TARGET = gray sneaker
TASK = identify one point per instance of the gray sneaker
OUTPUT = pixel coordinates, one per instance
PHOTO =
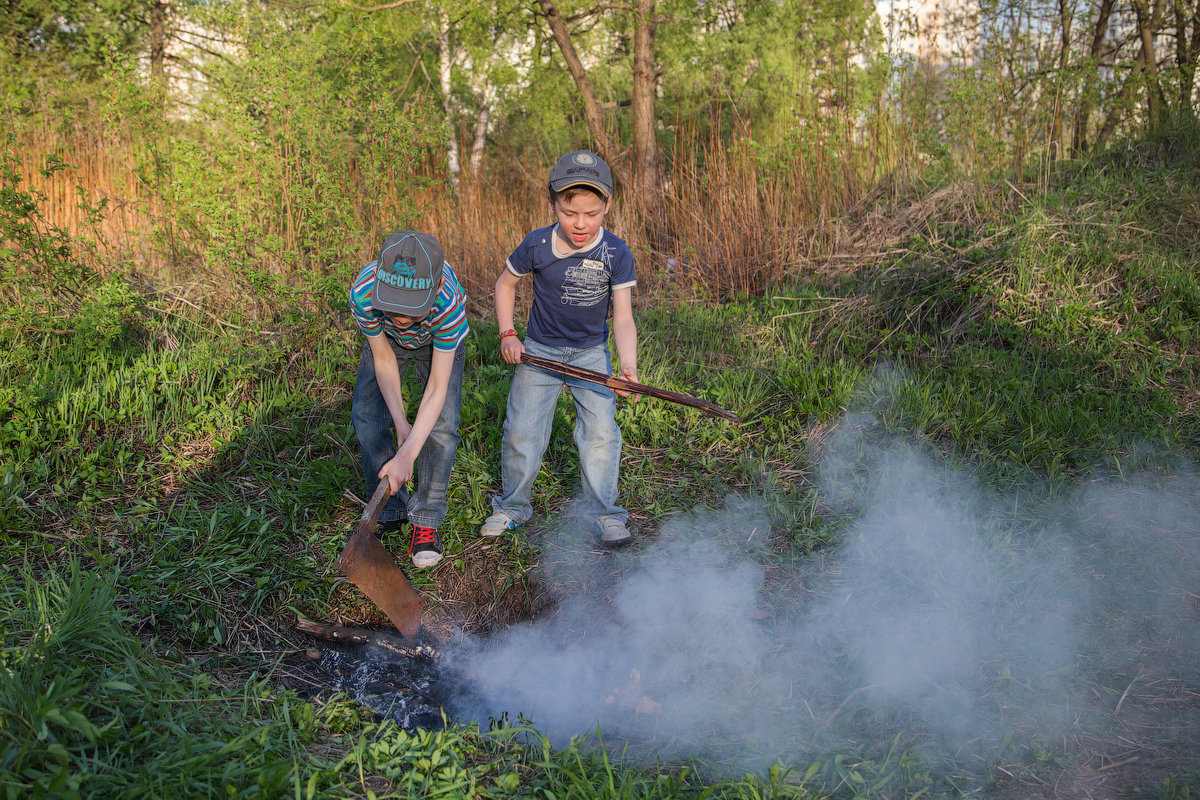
(496, 524)
(611, 532)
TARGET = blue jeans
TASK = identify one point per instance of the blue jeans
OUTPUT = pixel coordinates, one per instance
(527, 424)
(377, 436)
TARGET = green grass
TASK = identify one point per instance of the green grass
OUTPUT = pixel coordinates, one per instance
(89, 710)
(171, 491)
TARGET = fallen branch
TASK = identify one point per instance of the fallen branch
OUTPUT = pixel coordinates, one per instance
(363, 637)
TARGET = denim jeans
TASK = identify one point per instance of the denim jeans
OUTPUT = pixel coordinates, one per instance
(377, 435)
(527, 427)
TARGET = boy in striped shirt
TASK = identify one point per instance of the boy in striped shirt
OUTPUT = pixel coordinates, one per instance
(411, 309)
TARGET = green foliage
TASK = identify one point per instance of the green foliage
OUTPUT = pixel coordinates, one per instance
(114, 310)
(83, 37)
(294, 161)
(106, 423)
(957, 133)
(1185, 789)
(424, 763)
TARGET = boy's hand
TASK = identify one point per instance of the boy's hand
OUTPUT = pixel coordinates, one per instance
(398, 471)
(629, 374)
(511, 349)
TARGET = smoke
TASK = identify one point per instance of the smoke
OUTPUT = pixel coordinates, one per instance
(658, 657)
(953, 620)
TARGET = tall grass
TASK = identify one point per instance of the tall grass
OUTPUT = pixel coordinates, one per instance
(744, 209)
(86, 712)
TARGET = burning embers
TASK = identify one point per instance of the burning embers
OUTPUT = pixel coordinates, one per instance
(397, 678)
(413, 682)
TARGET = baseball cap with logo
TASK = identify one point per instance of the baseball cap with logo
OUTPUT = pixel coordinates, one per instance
(409, 274)
(581, 168)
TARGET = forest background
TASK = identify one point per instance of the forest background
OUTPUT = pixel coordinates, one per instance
(976, 223)
(261, 150)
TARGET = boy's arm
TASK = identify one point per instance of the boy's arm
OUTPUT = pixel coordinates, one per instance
(399, 470)
(511, 347)
(625, 336)
(387, 374)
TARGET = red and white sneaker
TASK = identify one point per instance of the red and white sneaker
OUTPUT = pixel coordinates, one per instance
(426, 547)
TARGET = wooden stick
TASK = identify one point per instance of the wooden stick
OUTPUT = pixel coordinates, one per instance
(627, 386)
(362, 636)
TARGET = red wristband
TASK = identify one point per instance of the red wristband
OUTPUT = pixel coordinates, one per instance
(507, 333)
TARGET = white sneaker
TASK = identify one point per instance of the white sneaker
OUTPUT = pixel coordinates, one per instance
(498, 523)
(611, 532)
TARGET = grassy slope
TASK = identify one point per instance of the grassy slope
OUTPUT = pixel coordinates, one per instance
(1034, 335)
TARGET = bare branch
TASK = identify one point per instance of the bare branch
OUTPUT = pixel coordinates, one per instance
(597, 11)
(205, 51)
(383, 7)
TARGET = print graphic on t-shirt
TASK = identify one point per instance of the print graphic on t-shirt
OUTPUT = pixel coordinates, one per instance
(585, 283)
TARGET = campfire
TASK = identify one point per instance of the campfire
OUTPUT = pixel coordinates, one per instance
(396, 677)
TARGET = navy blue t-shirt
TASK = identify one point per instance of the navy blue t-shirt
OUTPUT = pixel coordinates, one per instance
(572, 294)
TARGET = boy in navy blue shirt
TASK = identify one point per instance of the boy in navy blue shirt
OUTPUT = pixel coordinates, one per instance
(580, 272)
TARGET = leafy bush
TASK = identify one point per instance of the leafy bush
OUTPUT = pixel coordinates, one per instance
(38, 265)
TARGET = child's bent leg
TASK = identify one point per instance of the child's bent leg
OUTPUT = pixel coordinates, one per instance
(375, 433)
(427, 506)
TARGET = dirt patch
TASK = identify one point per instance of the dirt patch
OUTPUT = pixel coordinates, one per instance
(476, 590)
(480, 589)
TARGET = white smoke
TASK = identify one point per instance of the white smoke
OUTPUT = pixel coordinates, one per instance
(950, 618)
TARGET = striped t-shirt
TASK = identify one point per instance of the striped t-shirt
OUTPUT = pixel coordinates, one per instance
(445, 325)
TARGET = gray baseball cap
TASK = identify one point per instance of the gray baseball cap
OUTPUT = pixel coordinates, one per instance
(409, 274)
(581, 168)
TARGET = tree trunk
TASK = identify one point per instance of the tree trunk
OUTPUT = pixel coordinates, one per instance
(481, 128)
(1116, 112)
(1187, 53)
(591, 109)
(1147, 23)
(158, 41)
(1084, 113)
(645, 140)
(643, 179)
(1064, 60)
(445, 66)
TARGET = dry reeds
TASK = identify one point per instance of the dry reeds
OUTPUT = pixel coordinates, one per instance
(90, 186)
(738, 223)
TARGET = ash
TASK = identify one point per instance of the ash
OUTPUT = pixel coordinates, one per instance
(400, 684)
